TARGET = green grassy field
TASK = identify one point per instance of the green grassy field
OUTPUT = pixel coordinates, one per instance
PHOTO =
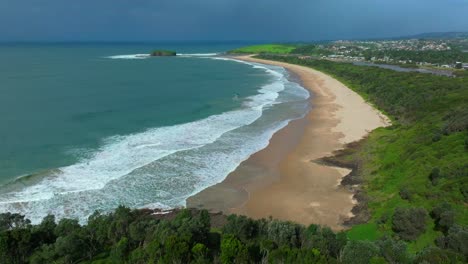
(265, 48)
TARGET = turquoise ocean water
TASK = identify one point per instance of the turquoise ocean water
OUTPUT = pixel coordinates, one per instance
(87, 127)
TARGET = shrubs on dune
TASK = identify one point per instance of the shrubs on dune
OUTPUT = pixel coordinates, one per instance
(242, 227)
(393, 251)
(233, 250)
(135, 236)
(456, 121)
(466, 142)
(357, 252)
(409, 223)
(435, 175)
(464, 191)
(437, 255)
(444, 217)
(405, 193)
(457, 238)
(284, 233)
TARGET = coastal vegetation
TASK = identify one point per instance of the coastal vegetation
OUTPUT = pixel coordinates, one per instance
(312, 50)
(414, 174)
(159, 53)
(428, 56)
(193, 236)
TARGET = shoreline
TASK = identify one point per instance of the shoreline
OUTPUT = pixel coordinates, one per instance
(282, 180)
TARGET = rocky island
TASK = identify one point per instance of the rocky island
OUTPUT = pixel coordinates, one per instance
(163, 53)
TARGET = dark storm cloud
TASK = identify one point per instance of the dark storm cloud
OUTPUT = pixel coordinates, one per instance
(137, 20)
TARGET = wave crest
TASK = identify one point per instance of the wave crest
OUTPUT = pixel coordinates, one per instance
(158, 167)
(129, 57)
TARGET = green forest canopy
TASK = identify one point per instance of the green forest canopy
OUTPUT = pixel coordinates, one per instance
(138, 236)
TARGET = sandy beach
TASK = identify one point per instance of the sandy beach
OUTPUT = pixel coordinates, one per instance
(282, 180)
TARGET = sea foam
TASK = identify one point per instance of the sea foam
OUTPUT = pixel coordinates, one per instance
(161, 166)
(198, 54)
(129, 57)
(146, 56)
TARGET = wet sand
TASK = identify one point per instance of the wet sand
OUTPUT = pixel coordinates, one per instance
(282, 180)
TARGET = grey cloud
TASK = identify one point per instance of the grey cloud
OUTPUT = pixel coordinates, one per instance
(269, 20)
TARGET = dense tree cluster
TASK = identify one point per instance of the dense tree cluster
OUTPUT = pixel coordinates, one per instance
(429, 56)
(456, 121)
(138, 236)
(409, 223)
(314, 50)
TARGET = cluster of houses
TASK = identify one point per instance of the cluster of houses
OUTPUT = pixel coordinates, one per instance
(408, 44)
(353, 51)
(461, 65)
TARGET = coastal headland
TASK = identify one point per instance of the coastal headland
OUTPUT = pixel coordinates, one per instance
(282, 180)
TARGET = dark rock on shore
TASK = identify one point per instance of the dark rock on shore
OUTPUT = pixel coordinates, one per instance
(163, 53)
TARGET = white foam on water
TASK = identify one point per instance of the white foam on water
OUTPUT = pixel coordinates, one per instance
(120, 155)
(197, 54)
(159, 167)
(129, 57)
(146, 56)
(156, 206)
(242, 144)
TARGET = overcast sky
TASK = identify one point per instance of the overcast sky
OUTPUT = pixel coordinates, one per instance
(224, 20)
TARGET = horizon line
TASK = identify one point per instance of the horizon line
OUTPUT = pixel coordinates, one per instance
(222, 41)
